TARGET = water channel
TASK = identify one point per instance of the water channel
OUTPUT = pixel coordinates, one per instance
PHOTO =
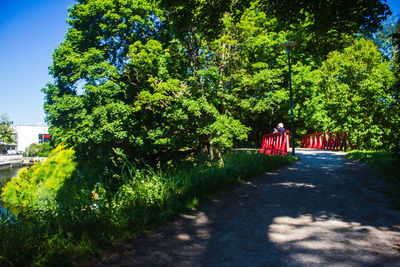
(5, 176)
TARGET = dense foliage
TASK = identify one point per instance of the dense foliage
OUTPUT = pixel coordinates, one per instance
(155, 77)
(350, 91)
(60, 221)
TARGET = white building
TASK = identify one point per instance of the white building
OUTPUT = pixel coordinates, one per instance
(27, 135)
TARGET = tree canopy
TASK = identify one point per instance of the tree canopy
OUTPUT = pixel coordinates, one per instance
(156, 79)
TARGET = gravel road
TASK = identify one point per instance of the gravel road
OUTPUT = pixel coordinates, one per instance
(323, 210)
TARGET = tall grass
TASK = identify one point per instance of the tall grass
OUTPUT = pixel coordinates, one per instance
(387, 164)
(147, 197)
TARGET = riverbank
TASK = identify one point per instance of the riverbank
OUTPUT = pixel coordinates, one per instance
(7, 161)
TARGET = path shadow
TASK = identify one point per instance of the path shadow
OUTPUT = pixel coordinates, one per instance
(322, 210)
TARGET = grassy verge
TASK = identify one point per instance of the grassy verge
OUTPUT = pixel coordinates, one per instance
(387, 164)
(65, 235)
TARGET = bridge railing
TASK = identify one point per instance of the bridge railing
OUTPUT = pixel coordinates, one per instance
(330, 141)
(275, 143)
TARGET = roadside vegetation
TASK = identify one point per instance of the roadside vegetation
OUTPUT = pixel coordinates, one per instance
(388, 166)
(58, 221)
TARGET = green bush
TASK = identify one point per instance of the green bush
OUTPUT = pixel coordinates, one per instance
(387, 164)
(36, 188)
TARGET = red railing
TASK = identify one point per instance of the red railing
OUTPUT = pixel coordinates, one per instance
(275, 143)
(331, 141)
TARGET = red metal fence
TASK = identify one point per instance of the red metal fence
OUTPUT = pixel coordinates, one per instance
(275, 143)
(331, 141)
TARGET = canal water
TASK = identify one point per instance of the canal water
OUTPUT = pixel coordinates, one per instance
(7, 174)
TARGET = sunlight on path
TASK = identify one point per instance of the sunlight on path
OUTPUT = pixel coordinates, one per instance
(323, 210)
(319, 240)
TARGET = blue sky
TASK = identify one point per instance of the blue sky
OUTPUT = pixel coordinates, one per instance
(29, 32)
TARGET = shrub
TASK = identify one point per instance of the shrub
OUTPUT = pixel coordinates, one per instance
(36, 188)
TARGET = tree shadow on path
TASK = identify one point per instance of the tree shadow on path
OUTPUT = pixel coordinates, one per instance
(322, 210)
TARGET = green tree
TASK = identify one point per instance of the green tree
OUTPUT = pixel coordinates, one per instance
(197, 16)
(7, 133)
(318, 26)
(252, 65)
(154, 77)
(328, 24)
(395, 91)
(37, 150)
(142, 90)
(350, 92)
(93, 59)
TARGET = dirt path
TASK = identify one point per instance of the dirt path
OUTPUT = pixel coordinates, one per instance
(323, 210)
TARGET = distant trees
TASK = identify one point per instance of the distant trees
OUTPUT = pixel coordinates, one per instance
(7, 135)
(37, 150)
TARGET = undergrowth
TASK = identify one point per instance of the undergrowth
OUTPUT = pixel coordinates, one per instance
(388, 166)
(73, 224)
